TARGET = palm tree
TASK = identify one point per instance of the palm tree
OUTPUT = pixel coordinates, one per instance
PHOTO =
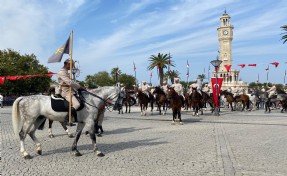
(171, 75)
(284, 37)
(160, 61)
(201, 78)
(115, 74)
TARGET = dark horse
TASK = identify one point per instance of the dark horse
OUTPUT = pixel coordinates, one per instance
(143, 100)
(187, 101)
(128, 101)
(175, 105)
(160, 99)
(63, 124)
(196, 102)
(244, 99)
(274, 100)
(208, 99)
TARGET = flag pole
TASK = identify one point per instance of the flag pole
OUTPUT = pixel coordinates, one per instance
(71, 68)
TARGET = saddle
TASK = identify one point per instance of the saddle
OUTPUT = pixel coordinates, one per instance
(60, 104)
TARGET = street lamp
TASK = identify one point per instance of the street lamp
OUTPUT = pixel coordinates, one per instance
(216, 63)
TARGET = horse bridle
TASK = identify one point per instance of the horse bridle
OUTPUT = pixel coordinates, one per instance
(107, 102)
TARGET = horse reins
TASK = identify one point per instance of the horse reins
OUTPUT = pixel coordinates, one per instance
(106, 103)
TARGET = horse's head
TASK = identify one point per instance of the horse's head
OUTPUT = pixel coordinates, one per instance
(119, 100)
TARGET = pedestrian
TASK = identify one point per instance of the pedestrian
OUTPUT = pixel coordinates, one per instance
(1, 100)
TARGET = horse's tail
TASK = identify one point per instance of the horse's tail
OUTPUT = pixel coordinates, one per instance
(16, 115)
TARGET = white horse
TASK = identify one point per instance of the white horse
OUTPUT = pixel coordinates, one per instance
(252, 99)
(32, 111)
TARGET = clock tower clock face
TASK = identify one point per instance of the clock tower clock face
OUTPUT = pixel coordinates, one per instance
(225, 32)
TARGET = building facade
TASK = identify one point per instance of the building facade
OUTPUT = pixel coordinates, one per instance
(225, 36)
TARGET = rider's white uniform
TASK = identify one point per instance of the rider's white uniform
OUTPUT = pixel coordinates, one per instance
(271, 91)
(205, 89)
(165, 88)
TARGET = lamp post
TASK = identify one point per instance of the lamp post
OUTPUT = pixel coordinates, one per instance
(216, 63)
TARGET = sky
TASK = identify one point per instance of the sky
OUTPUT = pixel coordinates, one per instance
(118, 33)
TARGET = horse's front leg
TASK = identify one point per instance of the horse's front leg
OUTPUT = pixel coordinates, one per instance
(231, 106)
(94, 141)
(79, 130)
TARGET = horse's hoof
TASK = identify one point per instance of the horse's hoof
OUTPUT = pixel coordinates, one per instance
(77, 154)
(70, 135)
(28, 157)
(173, 122)
(100, 154)
(181, 123)
(99, 135)
(39, 152)
(51, 136)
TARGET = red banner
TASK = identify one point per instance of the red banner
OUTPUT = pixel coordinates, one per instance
(227, 67)
(216, 93)
(2, 80)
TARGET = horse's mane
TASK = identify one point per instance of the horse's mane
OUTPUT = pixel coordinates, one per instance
(227, 93)
(158, 90)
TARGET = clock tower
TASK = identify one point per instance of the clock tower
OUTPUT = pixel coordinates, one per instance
(225, 37)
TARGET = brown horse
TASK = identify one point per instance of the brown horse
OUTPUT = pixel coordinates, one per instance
(187, 101)
(175, 104)
(244, 99)
(196, 102)
(128, 101)
(143, 100)
(160, 99)
(207, 99)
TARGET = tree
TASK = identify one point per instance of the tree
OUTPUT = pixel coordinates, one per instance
(171, 75)
(99, 79)
(115, 74)
(127, 80)
(14, 64)
(201, 78)
(284, 37)
(160, 61)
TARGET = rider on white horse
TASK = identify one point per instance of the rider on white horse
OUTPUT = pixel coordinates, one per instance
(65, 84)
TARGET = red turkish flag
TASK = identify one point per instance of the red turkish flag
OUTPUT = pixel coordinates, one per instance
(241, 65)
(227, 67)
(216, 93)
(252, 65)
(275, 64)
(2, 80)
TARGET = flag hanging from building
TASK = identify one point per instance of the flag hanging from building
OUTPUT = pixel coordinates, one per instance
(58, 54)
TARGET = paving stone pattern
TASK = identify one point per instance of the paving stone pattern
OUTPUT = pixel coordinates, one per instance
(235, 143)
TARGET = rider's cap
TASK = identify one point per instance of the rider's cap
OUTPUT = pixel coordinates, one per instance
(176, 79)
(144, 81)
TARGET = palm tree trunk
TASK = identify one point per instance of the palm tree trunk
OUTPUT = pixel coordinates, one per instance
(161, 76)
